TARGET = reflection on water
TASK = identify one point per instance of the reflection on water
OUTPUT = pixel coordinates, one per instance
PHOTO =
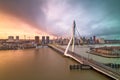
(41, 64)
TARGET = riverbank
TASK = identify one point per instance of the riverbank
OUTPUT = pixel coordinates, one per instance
(15, 48)
(107, 51)
(104, 55)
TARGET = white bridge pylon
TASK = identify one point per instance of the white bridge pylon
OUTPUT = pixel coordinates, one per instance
(72, 40)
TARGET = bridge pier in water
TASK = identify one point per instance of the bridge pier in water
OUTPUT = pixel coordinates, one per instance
(80, 67)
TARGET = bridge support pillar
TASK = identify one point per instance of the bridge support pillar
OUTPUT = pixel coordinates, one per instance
(71, 40)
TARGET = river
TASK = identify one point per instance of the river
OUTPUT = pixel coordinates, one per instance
(82, 50)
(41, 64)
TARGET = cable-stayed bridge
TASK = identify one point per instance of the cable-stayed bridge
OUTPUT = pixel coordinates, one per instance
(83, 60)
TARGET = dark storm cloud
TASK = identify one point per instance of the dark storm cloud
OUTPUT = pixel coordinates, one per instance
(106, 24)
(93, 17)
(24, 9)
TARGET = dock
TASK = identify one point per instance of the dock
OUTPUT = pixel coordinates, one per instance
(79, 66)
(95, 65)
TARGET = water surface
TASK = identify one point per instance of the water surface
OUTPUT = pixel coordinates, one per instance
(41, 64)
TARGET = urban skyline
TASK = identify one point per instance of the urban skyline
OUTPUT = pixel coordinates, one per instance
(59, 40)
(39, 17)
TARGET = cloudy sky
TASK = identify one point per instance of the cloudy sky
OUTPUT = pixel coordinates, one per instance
(93, 17)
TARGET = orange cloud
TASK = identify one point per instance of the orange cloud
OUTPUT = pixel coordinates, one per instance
(12, 26)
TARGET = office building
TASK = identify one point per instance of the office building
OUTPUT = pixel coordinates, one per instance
(94, 38)
(43, 40)
(37, 39)
(10, 38)
(17, 37)
(47, 39)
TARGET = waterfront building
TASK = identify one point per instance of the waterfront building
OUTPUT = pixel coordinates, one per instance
(10, 37)
(84, 39)
(37, 39)
(43, 40)
(17, 37)
(81, 41)
(65, 41)
(101, 40)
(97, 41)
(59, 40)
(47, 39)
(77, 41)
(91, 40)
(94, 39)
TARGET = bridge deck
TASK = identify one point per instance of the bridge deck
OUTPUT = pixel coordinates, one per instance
(95, 65)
